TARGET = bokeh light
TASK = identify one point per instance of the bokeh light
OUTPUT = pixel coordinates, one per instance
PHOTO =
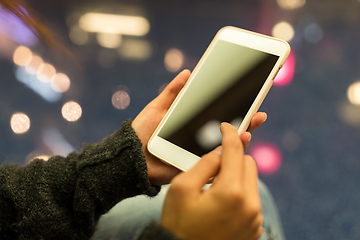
(115, 24)
(22, 56)
(291, 4)
(36, 154)
(236, 122)
(120, 99)
(45, 72)
(349, 113)
(267, 156)
(60, 82)
(284, 31)
(43, 89)
(353, 93)
(42, 157)
(135, 49)
(78, 36)
(286, 73)
(313, 33)
(71, 111)
(109, 40)
(174, 60)
(209, 135)
(20, 123)
(54, 140)
(34, 64)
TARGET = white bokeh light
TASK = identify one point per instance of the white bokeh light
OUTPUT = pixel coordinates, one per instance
(60, 83)
(174, 60)
(115, 24)
(353, 93)
(349, 113)
(71, 111)
(209, 135)
(135, 49)
(291, 4)
(22, 56)
(45, 72)
(34, 64)
(120, 99)
(109, 40)
(36, 154)
(20, 123)
(284, 31)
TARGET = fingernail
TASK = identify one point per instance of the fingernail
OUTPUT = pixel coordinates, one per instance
(249, 138)
(265, 116)
(185, 70)
(222, 126)
(226, 123)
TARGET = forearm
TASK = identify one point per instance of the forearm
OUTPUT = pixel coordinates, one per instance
(65, 196)
(114, 169)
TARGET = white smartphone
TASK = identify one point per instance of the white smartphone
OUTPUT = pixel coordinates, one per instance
(228, 84)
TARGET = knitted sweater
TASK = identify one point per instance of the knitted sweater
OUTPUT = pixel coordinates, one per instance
(63, 198)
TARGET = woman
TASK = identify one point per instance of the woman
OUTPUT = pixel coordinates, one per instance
(65, 197)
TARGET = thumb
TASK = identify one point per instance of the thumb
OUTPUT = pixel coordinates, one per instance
(168, 95)
(199, 175)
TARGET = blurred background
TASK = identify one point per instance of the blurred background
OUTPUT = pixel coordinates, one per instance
(308, 151)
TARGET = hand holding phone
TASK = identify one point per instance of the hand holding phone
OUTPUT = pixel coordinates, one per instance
(149, 118)
(146, 122)
(228, 85)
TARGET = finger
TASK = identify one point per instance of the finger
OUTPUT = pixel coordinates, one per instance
(250, 180)
(245, 139)
(232, 154)
(256, 121)
(168, 95)
(199, 175)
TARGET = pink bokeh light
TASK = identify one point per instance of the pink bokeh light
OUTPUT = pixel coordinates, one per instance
(286, 73)
(267, 156)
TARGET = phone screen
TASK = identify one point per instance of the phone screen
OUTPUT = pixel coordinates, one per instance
(221, 90)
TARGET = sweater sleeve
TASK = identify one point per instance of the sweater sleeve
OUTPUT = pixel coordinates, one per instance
(64, 197)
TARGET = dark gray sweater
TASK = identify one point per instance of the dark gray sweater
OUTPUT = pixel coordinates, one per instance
(63, 198)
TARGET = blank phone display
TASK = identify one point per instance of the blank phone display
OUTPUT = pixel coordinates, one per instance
(222, 90)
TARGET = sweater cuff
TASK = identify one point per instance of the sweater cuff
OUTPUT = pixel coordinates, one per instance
(115, 168)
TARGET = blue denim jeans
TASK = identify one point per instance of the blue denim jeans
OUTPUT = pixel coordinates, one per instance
(128, 218)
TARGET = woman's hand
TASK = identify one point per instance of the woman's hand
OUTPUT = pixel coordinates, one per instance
(149, 118)
(229, 209)
(146, 122)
